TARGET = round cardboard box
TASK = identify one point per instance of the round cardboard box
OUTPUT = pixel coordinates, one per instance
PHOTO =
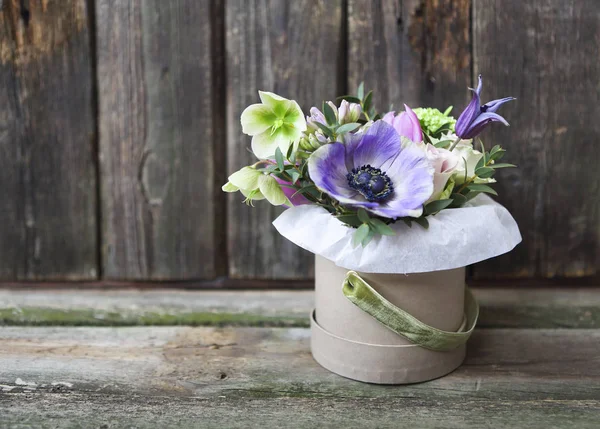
(351, 343)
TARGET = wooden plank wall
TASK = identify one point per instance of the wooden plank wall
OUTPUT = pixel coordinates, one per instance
(120, 120)
(47, 142)
(156, 139)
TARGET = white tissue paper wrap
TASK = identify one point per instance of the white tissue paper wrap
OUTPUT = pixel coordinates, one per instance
(479, 230)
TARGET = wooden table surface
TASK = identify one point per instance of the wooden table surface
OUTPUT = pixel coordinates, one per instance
(113, 359)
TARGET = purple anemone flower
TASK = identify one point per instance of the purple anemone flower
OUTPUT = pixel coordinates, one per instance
(373, 171)
(475, 117)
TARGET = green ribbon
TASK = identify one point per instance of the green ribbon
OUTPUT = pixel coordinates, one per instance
(361, 294)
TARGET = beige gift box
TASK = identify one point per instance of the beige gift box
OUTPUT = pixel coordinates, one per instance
(351, 343)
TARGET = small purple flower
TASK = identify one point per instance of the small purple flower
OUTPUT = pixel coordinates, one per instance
(475, 118)
(315, 116)
(406, 124)
(373, 171)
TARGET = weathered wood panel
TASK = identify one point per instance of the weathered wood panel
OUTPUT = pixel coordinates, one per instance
(261, 377)
(415, 51)
(294, 49)
(157, 141)
(47, 139)
(545, 53)
(500, 308)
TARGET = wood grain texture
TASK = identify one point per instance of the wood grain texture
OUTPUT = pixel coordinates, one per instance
(293, 49)
(415, 51)
(263, 377)
(545, 53)
(157, 142)
(499, 308)
(47, 139)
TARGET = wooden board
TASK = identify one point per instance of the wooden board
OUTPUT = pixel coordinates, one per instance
(499, 308)
(293, 49)
(545, 53)
(413, 52)
(47, 142)
(265, 377)
(157, 105)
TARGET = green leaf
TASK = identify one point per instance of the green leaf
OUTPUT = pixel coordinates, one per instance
(496, 153)
(279, 159)
(304, 169)
(501, 165)
(368, 101)
(443, 143)
(482, 188)
(360, 92)
(472, 195)
(304, 190)
(381, 227)
(326, 130)
(347, 128)
(480, 163)
(497, 156)
(484, 172)
(368, 238)
(407, 221)
(458, 200)
(294, 175)
(360, 234)
(423, 222)
(329, 114)
(350, 99)
(363, 215)
(271, 168)
(448, 110)
(495, 149)
(438, 133)
(436, 206)
(350, 219)
(290, 151)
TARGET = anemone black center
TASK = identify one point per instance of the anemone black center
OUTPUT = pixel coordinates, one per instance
(371, 182)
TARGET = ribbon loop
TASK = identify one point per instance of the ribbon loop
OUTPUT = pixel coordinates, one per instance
(361, 294)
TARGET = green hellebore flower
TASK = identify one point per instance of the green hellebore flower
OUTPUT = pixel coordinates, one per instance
(255, 185)
(246, 178)
(229, 187)
(245, 181)
(276, 122)
(271, 189)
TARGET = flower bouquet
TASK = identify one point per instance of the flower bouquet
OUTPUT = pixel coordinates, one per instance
(394, 207)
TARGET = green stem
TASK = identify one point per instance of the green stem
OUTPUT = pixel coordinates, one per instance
(467, 183)
(454, 144)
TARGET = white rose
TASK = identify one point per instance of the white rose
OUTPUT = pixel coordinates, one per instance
(469, 158)
(444, 164)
